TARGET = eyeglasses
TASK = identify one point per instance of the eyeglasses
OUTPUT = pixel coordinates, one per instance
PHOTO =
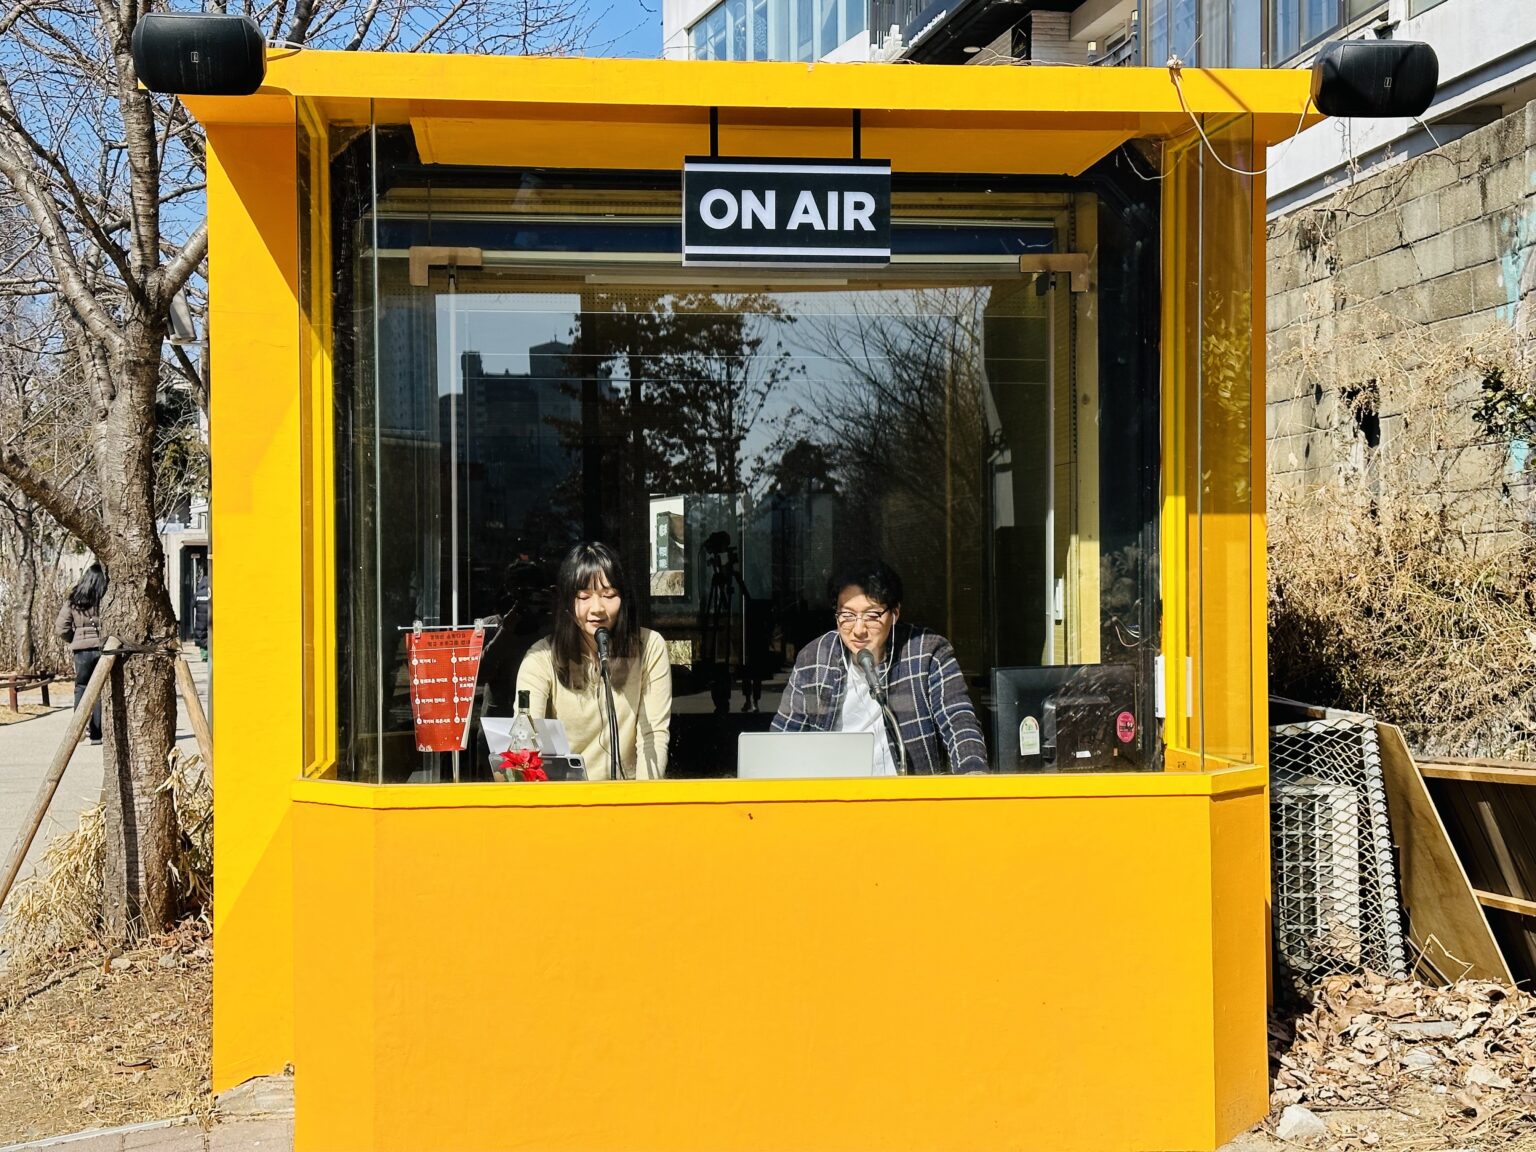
(849, 619)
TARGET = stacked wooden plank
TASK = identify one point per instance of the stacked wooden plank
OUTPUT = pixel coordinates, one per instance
(1489, 811)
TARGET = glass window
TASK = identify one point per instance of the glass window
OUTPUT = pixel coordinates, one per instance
(1295, 25)
(719, 41)
(759, 30)
(1182, 37)
(1247, 47)
(776, 29)
(853, 18)
(1207, 33)
(1157, 34)
(1212, 49)
(736, 17)
(1418, 7)
(831, 31)
(1209, 607)
(738, 436)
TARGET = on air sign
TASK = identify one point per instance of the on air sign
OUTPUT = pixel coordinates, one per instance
(787, 211)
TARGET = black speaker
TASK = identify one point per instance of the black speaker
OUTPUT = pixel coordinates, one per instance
(1375, 78)
(199, 53)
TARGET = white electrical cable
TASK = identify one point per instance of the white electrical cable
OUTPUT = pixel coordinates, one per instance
(1175, 70)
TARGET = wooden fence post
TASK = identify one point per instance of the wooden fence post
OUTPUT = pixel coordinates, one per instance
(195, 714)
(77, 724)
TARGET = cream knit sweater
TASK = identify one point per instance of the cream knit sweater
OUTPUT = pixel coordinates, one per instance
(642, 698)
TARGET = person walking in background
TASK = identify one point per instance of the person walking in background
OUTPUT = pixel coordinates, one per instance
(79, 623)
(202, 614)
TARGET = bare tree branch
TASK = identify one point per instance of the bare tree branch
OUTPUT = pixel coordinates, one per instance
(170, 278)
(45, 215)
(88, 528)
(364, 23)
(82, 209)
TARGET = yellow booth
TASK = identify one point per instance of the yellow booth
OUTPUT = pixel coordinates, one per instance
(745, 322)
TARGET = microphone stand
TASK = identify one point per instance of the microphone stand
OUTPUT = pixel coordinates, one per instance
(615, 759)
(888, 718)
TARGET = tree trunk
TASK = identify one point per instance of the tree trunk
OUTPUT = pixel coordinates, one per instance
(140, 715)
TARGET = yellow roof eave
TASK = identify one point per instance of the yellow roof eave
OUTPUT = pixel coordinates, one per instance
(420, 87)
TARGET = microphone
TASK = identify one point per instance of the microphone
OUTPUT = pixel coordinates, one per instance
(866, 661)
(602, 645)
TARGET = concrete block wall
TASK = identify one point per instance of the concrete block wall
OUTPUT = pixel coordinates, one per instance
(1441, 247)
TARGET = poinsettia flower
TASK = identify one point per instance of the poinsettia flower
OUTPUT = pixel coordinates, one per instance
(526, 763)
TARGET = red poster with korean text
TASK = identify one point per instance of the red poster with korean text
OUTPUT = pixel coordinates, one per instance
(443, 666)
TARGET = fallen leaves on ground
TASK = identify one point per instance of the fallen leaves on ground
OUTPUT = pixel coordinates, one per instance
(1451, 1067)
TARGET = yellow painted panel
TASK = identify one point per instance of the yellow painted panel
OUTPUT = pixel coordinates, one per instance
(316, 402)
(254, 428)
(915, 974)
(1239, 887)
(562, 143)
(1228, 780)
(558, 143)
(339, 903)
(419, 84)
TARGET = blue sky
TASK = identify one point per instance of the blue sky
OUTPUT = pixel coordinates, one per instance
(628, 28)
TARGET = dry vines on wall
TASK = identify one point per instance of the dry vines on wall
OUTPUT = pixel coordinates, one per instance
(1404, 584)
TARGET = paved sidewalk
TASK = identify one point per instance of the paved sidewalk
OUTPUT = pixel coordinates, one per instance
(27, 747)
(256, 1116)
(255, 1134)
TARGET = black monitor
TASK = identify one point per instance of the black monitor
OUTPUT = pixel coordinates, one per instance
(1070, 718)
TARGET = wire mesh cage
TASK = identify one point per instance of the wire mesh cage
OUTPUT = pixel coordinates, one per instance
(1336, 906)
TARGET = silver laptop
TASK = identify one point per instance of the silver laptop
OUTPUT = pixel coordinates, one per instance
(798, 755)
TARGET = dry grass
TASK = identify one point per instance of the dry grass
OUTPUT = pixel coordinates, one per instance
(57, 910)
(27, 712)
(92, 1042)
(1406, 586)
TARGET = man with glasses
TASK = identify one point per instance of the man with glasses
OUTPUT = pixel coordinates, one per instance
(909, 692)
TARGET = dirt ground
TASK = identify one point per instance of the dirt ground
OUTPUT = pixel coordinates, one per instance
(27, 712)
(1411, 1121)
(97, 1042)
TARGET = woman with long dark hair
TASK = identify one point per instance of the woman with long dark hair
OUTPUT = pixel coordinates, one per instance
(79, 623)
(560, 673)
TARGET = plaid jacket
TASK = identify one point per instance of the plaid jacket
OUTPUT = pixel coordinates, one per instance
(926, 691)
